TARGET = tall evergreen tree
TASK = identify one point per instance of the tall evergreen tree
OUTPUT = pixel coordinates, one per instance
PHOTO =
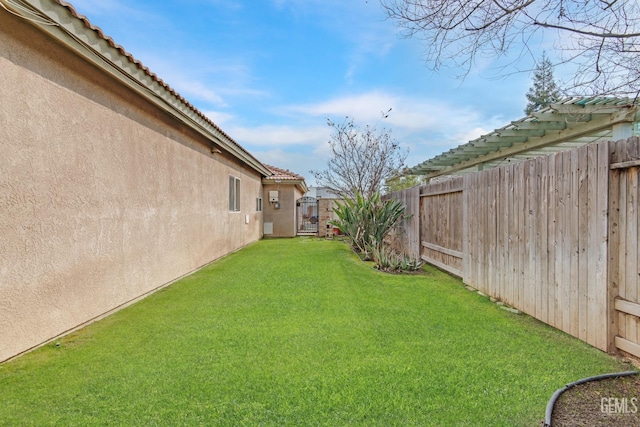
(544, 91)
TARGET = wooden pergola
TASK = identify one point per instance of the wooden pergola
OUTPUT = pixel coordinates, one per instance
(570, 123)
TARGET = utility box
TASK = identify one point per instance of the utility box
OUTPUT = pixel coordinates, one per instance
(268, 228)
(273, 196)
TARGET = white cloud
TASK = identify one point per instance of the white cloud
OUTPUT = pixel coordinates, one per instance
(202, 81)
(363, 107)
(408, 115)
(427, 127)
(298, 162)
(280, 136)
(219, 118)
(471, 134)
(198, 90)
(227, 84)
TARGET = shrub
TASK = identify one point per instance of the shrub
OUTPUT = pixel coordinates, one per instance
(387, 259)
(367, 221)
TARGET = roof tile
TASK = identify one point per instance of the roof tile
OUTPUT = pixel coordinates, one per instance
(145, 69)
(283, 174)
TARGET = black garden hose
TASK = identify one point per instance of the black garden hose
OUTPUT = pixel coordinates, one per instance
(547, 417)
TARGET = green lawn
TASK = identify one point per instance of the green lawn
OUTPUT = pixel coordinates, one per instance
(299, 332)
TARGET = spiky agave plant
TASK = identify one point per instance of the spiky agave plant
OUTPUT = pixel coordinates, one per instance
(389, 260)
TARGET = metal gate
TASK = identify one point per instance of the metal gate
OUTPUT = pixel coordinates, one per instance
(307, 215)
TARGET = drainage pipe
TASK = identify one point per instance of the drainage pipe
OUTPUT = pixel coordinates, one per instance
(547, 416)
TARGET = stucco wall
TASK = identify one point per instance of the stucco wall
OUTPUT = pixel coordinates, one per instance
(103, 197)
(283, 219)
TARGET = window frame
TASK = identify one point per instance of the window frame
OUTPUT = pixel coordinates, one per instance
(234, 193)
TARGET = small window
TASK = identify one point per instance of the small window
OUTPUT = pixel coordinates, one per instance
(234, 194)
(259, 204)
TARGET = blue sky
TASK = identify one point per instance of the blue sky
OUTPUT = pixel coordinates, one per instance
(270, 73)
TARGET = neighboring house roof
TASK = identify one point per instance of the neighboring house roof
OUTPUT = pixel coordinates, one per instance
(60, 20)
(285, 175)
(569, 123)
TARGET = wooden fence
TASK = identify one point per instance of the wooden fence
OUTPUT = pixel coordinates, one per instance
(441, 225)
(408, 237)
(555, 237)
(624, 254)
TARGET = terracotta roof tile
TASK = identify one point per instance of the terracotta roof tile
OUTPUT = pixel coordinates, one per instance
(145, 69)
(283, 174)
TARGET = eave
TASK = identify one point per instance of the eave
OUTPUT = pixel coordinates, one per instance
(60, 21)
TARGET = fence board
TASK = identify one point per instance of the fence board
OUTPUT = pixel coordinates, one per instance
(541, 239)
(503, 232)
(615, 318)
(633, 265)
(466, 263)
(567, 244)
(490, 231)
(628, 346)
(440, 225)
(527, 296)
(574, 282)
(512, 221)
(534, 214)
(551, 240)
(628, 253)
(442, 249)
(622, 258)
(560, 302)
(520, 243)
(583, 267)
(598, 283)
(556, 237)
(633, 257)
(406, 236)
(627, 307)
(632, 251)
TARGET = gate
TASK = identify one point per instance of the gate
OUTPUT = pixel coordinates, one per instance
(624, 247)
(307, 215)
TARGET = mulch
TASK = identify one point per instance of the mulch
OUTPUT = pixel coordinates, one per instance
(607, 402)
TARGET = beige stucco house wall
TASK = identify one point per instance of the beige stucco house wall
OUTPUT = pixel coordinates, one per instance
(280, 216)
(111, 185)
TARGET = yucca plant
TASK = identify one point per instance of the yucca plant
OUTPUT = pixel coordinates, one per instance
(367, 221)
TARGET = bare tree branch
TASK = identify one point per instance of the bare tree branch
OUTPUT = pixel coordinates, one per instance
(586, 33)
(362, 159)
(598, 39)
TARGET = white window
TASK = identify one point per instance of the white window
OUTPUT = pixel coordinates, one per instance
(234, 194)
(259, 204)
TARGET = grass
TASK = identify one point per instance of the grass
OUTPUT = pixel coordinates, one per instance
(299, 332)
